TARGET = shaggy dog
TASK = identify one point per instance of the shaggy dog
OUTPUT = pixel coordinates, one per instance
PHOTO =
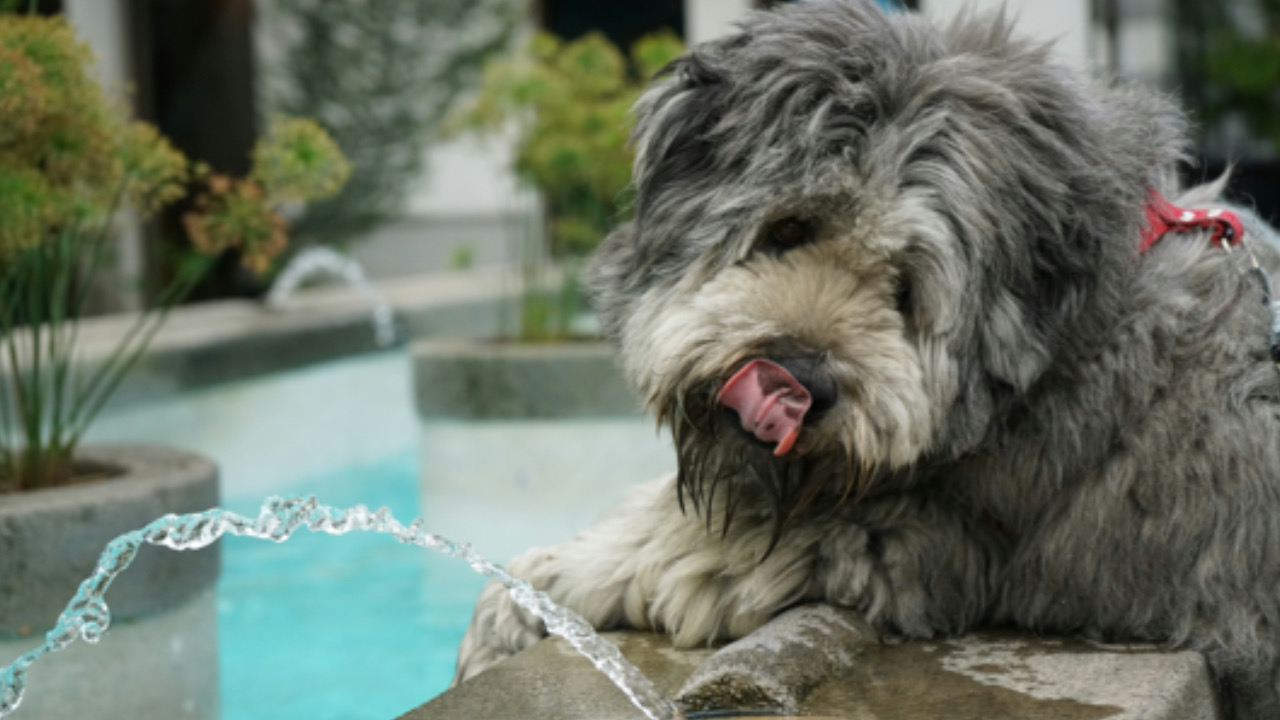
(884, 285)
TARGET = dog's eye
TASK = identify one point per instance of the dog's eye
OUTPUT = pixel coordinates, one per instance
(902, 296)
(789, 233)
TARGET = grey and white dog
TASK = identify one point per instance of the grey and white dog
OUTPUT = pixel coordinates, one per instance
(883, 284)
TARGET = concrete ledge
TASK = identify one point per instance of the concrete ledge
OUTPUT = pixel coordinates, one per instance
(461, 379)
(50, 540)
(551, 680)
(163, 667)
(776, 667)
(976, 677)
(209, 343)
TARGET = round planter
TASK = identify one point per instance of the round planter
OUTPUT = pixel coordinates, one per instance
(159, 658)
(525, 444)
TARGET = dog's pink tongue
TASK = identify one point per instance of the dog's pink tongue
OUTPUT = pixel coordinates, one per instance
(770, 403)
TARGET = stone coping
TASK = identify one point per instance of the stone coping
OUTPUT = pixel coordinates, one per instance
(472, 379)
(50, 540)
(975, 677)
(162, 668)
(207, 343)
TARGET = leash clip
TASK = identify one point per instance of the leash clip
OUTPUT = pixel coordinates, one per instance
(1164, 217)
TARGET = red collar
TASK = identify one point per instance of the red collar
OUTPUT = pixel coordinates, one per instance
(1164, 217)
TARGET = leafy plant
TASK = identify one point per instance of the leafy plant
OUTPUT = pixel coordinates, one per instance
(569, 104)
(462, 257)
(1231, 52)
(69, 161)
(379, 75)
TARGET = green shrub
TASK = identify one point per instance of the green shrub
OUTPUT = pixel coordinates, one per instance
(1242, 66)
(69, 161)
(569, 104)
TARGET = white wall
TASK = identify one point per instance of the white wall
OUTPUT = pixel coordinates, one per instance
(467, 177)
(707, 19)
(1146, 49)
(102, 24)
(1064, 21)
(468, 200)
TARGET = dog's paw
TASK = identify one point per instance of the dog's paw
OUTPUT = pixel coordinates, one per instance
(499, 629)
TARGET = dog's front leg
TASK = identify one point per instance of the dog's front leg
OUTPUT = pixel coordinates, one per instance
(649, 566)
(913, 566)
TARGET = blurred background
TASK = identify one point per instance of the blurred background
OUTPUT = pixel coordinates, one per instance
(208, 73)
(485, 157)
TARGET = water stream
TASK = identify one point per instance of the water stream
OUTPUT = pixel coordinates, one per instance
(87, 615)
(327, 261)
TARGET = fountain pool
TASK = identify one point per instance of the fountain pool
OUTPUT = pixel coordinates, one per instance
(353, 627)
(340, 627)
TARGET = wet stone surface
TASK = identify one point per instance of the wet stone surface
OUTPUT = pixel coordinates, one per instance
(1007, 676)
(976, 677)
(777, 666)
(550, 680)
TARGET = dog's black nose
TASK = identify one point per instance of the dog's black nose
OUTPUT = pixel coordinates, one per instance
(811, 372)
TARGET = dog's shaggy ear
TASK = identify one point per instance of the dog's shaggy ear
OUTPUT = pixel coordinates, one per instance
(1065, 168)
(1040, 177)
(674, 135)
(674, 120)
(674, 149)
(610, 278)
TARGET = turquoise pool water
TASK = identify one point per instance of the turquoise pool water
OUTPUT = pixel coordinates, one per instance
(357, 627)
(360, 627)
(349, 627)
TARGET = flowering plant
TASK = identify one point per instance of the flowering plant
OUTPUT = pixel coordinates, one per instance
(69, 162)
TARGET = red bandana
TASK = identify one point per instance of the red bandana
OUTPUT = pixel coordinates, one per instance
(1164, 217)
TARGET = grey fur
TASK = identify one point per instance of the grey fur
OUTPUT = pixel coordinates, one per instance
(1037, 426)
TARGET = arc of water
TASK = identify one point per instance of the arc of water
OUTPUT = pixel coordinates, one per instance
(327, 261)
(87, 615)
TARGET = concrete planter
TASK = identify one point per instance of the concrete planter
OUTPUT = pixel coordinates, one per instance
(457, 379)
(526, 444)
(159, 658)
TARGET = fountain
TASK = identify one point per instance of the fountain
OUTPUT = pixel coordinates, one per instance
(763, 675)
(87, 615)
(327, 261)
